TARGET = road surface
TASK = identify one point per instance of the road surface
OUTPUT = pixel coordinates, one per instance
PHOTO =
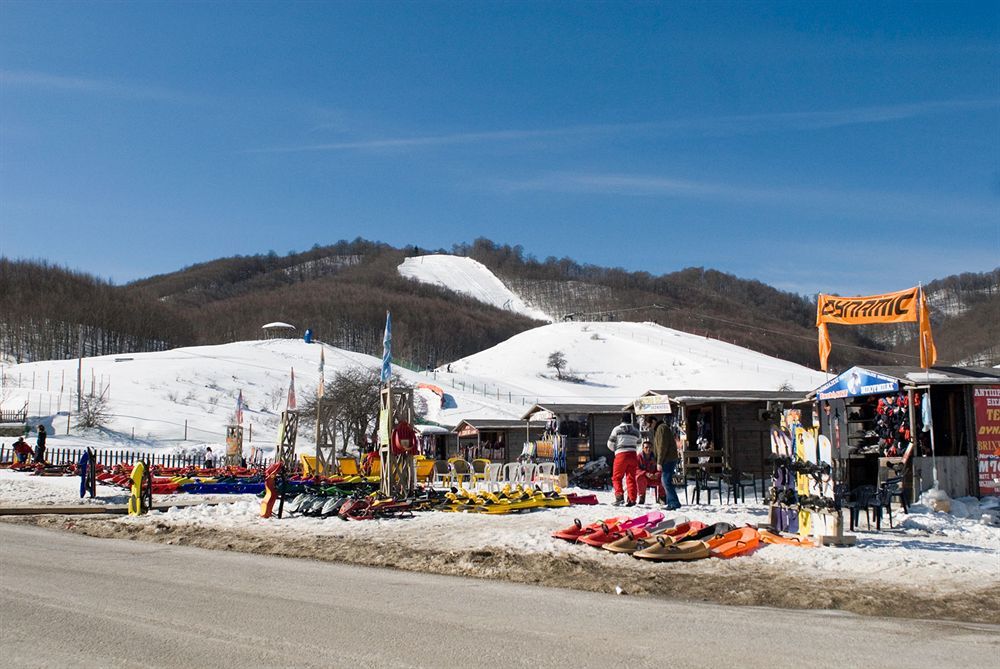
(72, 601)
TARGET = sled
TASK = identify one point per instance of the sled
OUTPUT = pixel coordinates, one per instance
(141, 498)
(578, 529)
(633, 539)
(732, 544)
(607, 533)
(692, 547)
(270, 489)
(769, 537)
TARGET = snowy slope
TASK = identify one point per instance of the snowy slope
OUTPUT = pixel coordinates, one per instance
(619, 361)
(155, 393)
(468, 277)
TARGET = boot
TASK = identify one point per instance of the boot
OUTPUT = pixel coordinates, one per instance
(619, 500)
(642, 499)
(631, 502)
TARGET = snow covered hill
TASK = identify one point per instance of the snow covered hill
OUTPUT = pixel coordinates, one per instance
(154, 394)
(468, 277)
(618, 361)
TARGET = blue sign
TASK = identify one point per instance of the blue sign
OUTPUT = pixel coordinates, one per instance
(857, 382)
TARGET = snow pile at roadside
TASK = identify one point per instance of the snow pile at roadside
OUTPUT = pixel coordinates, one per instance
(468, 277)
(923, 547)
(611, 362)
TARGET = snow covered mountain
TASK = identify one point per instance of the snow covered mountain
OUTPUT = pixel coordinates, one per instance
(468, 277)
(614, 362)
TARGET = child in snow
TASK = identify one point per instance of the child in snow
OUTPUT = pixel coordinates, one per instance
(209, 458)
(21, 450)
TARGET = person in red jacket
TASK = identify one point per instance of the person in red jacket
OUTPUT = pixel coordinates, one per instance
(647, 475)
(22, 450)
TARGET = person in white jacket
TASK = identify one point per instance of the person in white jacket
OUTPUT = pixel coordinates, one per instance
(624, 442)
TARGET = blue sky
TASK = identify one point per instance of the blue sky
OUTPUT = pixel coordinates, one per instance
(837, 147)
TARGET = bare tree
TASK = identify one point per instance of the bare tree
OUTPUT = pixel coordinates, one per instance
(557, 361)
(354, 393)
(94, 411)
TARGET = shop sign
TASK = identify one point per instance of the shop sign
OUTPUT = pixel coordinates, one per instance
(857, 382)
(652, 405)
(468, 431)
(986, 404)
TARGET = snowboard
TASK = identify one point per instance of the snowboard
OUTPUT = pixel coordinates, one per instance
(802, 480)
(824, 486)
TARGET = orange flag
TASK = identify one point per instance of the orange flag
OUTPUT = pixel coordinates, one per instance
(928, 352)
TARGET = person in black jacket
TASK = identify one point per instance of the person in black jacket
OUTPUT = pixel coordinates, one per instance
(40, 445)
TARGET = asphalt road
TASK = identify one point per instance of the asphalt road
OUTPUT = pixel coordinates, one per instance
(72, 601)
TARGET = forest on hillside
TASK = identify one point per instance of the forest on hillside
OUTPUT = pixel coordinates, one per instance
(342, 291)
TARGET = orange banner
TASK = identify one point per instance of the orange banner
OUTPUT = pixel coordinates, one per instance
(905, 306)
(898, 307)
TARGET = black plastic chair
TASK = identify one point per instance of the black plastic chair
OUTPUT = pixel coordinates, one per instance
(861, 498)
(738, 484)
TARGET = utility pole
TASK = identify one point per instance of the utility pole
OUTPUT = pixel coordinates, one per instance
(79, 372)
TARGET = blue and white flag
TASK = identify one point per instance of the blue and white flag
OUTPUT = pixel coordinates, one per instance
(387, 349)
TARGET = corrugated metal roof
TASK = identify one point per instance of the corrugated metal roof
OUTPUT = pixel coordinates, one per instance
(497, 424)
(687, 395)
(573, 409)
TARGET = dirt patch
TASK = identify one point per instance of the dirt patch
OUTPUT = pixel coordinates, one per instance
(717, 581)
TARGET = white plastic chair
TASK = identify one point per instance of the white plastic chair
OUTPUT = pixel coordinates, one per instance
(545, 475)
(494, 477)
(513, 473)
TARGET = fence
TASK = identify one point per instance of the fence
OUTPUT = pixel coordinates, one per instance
(15, 415)
(110, 458)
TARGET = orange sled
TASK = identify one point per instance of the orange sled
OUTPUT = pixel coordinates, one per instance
(578, 529)
(769, 537)
(731, 544)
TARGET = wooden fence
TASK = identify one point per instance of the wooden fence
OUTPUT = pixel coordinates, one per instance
(110, 458)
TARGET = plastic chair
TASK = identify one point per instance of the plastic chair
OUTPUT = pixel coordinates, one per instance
(861, 498)
(736, 485)
(494, 477)
(479, 466)
(545, 475)
(513, 473)
(461, 469)
(442, 473)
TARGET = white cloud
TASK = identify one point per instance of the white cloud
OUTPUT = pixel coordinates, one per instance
(717, 126)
